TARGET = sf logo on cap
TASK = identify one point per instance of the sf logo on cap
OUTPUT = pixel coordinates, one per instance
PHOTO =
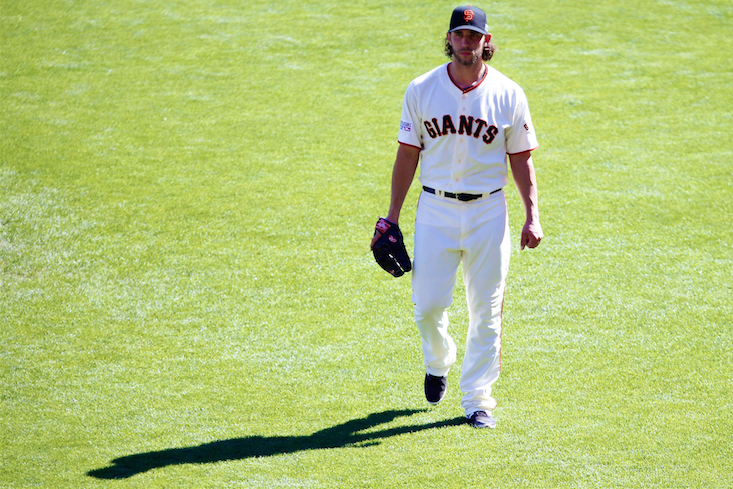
(468, 15)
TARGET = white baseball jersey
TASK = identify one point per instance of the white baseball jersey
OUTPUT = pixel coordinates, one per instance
(465, 135)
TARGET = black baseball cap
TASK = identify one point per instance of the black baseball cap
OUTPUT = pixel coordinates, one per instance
(468, 17)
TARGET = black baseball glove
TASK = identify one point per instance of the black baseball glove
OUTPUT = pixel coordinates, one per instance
(389, 250)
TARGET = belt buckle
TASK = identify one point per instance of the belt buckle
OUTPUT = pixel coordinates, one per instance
(468, 197)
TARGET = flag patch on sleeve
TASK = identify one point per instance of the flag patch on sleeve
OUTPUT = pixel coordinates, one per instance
(405, 126)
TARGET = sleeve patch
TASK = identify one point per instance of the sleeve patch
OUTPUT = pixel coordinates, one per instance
(405, 126)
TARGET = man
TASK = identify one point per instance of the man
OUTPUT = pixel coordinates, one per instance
(460, 121)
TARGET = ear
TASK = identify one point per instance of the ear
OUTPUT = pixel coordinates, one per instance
(488, 38)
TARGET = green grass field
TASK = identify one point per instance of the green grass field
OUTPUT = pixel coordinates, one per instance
(187, 297)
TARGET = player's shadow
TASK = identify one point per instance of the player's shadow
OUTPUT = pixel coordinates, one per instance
(339, 436)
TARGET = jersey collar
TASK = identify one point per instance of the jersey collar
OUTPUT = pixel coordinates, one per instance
(472, 87)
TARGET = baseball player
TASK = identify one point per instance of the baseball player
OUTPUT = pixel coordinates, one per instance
(459, 122)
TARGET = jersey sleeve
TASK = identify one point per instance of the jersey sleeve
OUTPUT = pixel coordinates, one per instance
(520, 136)
(410, 126)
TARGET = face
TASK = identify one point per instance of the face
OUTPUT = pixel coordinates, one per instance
(468, 46)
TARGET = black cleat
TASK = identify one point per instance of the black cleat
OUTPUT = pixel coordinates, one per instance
(482, 419)
(435, 388)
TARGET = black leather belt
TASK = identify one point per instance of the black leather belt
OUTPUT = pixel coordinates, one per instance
(461, 197)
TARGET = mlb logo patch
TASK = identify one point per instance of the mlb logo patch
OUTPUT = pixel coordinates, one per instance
(405, 126)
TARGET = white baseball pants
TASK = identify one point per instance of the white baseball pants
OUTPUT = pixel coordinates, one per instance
(448, 232)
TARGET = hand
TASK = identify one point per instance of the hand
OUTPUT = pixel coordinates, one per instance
(531, 234)
(389, 249)
(377, 235)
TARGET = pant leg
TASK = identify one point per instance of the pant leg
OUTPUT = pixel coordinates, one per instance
(486, 263)
(436, 259)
